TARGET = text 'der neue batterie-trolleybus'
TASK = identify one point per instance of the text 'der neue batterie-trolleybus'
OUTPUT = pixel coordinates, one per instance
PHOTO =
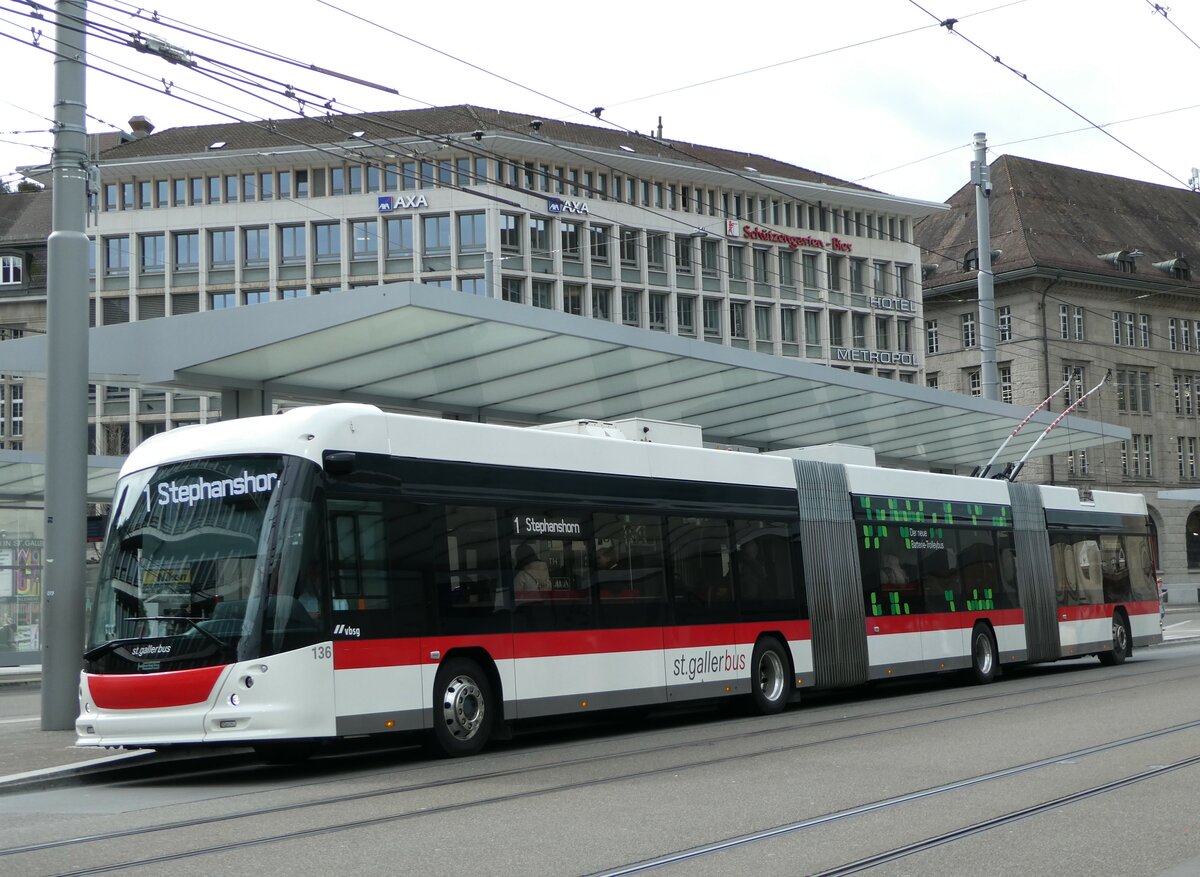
(337, 571)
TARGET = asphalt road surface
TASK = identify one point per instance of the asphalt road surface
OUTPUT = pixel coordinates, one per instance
(1063, 770)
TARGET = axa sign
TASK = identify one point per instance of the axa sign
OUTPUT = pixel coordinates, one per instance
(388, 203)
(558, 205)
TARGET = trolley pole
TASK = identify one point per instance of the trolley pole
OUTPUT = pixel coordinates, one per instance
(987, 298)
(66, 382)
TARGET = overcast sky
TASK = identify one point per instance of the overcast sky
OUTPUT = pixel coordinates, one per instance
(872, 91)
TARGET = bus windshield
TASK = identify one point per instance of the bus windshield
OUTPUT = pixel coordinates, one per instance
(206, 562)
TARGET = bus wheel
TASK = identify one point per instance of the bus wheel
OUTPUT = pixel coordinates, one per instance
(1120, 643)
(770, 675)
(984, 660)
(463, 710)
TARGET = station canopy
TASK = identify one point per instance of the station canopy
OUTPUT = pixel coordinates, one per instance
(411, 347)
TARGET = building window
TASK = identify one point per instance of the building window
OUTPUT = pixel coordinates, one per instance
(1173, 333)
(187, 250)
(787, 268)
(221, 245)
(153, 252)
(513, 289)
(858, 330)
(881, 278)
(1192, 538)
(683, 254)
(737, 319)
(1077, 464)
(833, 265)
(221, 300)
(257, 296)
(327, 242)
(812, 333)
(1187, 457)
(685, 314)
(1079, 336)
(539, 236)
(568, 235)
(968, 331)
(858, 276)
(1144, 330)
(116, 255)
(710, 257)
(712, 318)
(837, 328)
(883, 333)
(1004, 316)
(904, 336)
(435, 235)
(256, 246)
(932, 344)
(629, 246)
(808, 267)
(291, 244)
(510, 233)
(12, 270)
(473, 286)
(1137, 456)
(599, 240)
(788, 330)
(1133, 391)
(543, 294)
(1006, 388)
(658, 311)
(737, 263)
(760, 258)
(974, 383)
(602, 304)
(904, 281)
(631, 307)
(656, 258)
(762, 322)
(931, 380)
(573, 299)
(399, 233)
(364, 240)
(472, 233)
(1074, 376)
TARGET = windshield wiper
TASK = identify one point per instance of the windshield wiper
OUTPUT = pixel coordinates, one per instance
(104, 648)
(221, 644)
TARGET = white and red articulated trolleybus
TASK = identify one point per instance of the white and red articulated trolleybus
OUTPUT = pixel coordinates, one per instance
(337, 571)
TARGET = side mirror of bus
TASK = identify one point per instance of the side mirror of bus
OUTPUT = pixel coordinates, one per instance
(340, 462)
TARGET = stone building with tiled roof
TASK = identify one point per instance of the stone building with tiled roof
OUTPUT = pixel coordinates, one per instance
(24, 227)
(680, 238)
(1093, 277)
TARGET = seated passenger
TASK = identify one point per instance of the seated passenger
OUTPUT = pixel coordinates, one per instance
(532, 573)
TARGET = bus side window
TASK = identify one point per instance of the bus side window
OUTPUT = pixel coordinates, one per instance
(358, 555)
(472, 596)
(633, 592)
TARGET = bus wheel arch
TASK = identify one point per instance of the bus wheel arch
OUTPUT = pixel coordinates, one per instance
(1122, 642)
(771, 674)
(466, 703)
(985, 657)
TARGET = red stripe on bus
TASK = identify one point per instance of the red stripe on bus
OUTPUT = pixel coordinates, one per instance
(355, 655)
(941, 621)
(1093, 611)
(153, 691)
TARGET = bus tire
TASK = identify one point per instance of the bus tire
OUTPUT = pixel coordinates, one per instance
(770, 675)
(984, 658)
(1120, 643)
(463, 708)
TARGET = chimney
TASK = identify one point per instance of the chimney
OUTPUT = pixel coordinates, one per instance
(141, 127)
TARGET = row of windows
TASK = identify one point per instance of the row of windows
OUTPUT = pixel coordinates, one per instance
(467, 171)
(1129, 329)
(466, 233)
(972, 383)
(488, 571)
